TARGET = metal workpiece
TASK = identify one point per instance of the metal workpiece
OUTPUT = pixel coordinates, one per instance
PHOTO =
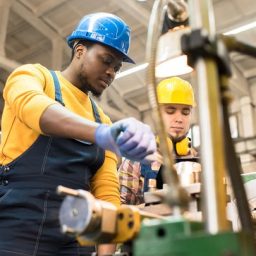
(94, 221)
(82, 215)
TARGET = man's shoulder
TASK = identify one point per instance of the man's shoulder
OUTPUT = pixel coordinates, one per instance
(31, 67)
(29, 71)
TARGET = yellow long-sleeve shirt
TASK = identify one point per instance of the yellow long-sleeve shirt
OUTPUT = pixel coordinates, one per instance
(29, 91)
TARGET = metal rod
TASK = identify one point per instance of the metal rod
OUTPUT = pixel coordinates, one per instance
(61, 190)
(234, 45)
(211, 126)
(145, 214)
(234, 168)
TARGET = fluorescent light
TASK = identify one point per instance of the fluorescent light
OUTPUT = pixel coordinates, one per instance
(132, 70)
(231, 32)
(241, 29)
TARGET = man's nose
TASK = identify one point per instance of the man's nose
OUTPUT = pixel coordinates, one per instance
(111, 71)
(178, 117)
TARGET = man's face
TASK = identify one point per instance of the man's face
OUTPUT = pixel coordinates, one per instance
(177, 118)
(98, 66)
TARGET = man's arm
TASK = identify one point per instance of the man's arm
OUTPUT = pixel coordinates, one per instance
(59, 121)
(127, 137)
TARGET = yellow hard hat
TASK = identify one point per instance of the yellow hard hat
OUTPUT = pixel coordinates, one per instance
(175, 91)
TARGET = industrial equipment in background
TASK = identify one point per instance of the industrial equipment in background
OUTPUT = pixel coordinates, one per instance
(182, 231)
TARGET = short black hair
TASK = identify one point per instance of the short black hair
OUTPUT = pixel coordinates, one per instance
(88, 44)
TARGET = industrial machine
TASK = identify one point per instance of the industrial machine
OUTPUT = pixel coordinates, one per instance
(180, 233)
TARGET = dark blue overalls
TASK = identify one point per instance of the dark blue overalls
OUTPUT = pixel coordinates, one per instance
(29, 205)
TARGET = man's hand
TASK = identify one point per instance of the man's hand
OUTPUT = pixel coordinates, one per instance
(129, 138)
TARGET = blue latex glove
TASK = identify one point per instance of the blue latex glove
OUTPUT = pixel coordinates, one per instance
(129, 138)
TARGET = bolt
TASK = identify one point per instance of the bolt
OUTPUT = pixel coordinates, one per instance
(74, 212)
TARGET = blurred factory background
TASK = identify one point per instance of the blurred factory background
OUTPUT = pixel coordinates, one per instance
(34, 31)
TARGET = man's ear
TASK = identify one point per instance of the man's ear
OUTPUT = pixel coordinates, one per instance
(79, 50)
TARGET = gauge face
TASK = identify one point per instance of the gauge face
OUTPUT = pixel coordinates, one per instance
(75, 214)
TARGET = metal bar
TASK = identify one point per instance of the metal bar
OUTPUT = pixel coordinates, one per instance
(145, 214)
(211, 125)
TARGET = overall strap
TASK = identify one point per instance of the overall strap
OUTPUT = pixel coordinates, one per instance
(58, 96)
(95, 112)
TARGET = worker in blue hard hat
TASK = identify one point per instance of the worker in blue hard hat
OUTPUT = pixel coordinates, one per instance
(104, 28)
(54, 134)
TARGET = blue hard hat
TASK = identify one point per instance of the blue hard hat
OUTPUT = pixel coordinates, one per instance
(106, 29)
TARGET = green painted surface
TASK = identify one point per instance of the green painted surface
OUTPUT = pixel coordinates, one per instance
(248, 177)
(179, 237)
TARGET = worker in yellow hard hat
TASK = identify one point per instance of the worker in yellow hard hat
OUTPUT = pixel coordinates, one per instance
(176, 99)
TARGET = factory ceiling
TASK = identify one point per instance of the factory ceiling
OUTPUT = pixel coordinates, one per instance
(34, 31)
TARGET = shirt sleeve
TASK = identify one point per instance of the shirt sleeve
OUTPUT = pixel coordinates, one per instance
(105, 184)
(24, 94)
(131, 185)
